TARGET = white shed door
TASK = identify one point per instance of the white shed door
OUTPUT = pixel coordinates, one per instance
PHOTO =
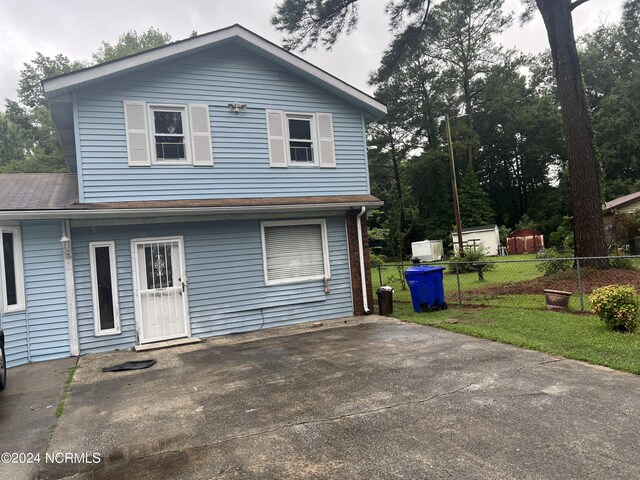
(161, 293)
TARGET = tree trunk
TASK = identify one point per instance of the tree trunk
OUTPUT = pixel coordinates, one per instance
(585, 191)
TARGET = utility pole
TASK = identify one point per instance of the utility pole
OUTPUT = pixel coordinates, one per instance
(454, 188)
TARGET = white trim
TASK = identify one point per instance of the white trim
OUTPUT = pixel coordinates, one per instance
(180, 211)
(363, 277)
(99, 332)
(136, 287)
(186, 132)
(74, 344)
(325, 251)
(313, 125)
(59, 85)
(18, 264)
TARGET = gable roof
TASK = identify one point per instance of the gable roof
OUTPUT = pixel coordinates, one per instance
(68, 82)
(621, 201)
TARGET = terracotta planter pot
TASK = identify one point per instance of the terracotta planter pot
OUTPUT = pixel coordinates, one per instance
(557, 299)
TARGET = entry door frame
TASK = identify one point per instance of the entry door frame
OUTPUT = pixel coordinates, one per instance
(136, 285)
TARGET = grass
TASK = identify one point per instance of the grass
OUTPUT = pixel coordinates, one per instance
(65, 391)
(60, 409)
(509, 269)
(580, 337)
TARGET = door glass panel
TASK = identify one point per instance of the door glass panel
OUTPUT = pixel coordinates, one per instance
(159, 268)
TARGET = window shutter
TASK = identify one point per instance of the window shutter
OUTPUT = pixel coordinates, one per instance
(277, 138)
(294, 251)
(135, 121)
(325, 140)
(201, 135)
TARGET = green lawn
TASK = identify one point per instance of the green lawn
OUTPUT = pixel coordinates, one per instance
(580, 337)
(508, 269)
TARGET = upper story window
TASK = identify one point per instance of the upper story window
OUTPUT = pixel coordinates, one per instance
(170, 133)
(11, 270)
(302, 141)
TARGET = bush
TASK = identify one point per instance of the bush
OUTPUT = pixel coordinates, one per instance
(550, 262)
(376, 259)
(473, 258)
(617, 306)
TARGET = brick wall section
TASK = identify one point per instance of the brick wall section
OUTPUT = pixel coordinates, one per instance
(354, 259)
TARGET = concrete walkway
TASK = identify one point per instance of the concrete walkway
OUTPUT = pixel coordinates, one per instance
(27, 411)
(373, 398)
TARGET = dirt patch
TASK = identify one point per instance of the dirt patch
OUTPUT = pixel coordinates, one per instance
(568, 281)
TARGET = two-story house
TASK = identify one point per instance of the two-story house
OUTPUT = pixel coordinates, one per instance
(219, 184)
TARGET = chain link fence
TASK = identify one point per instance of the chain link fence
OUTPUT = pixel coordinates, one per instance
(517, 281)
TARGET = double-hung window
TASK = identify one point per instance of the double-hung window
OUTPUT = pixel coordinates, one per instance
(295, 251)
(169, 130)
(104, 288)
(302, 142)
(11, 270)
(298, 139)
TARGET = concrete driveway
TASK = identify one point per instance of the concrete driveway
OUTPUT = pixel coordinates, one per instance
(362, 398)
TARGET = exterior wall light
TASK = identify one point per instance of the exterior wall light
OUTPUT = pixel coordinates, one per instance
(66, 245)
(237, 107)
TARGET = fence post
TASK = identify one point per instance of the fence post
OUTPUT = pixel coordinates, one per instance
(580, 288)
(380, 274)
(458, 280)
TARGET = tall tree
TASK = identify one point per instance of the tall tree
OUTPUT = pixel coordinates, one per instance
(325, 19)
(131, 42)
(585, 190)
(29, 119)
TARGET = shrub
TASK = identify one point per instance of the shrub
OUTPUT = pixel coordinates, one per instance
(376, 259)
(617, 306)
(473, 258)
(552, 262)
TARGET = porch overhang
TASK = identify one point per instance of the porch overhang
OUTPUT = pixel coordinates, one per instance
(225, 208)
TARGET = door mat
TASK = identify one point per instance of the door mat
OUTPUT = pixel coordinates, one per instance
(133, 365)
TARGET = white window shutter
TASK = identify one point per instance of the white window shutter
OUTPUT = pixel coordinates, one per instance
(201, 135)
(325, 140)
(277, 138)
(135, 121)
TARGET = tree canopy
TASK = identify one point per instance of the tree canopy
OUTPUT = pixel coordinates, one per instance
(524, 128)
(28, 138)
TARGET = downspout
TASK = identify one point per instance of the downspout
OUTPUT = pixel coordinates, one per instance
(74, 344)
(365, 300)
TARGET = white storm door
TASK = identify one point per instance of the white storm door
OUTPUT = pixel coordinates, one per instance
(160, 285)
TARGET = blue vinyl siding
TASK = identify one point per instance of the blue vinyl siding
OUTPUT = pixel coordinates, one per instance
(226, 290)
(240, 149)
(42, 331)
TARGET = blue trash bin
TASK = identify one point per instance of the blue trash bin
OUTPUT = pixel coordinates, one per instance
(426, 283)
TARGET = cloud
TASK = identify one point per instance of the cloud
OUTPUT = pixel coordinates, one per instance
(76, 28)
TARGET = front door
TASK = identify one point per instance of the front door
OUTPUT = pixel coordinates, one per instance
(160, 288)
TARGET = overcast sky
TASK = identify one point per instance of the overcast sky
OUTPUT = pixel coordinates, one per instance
(75, 28)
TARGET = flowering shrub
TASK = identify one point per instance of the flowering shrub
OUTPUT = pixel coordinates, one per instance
(617, 306)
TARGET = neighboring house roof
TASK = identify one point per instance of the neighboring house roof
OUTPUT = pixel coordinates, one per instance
(483, 228)
(55, 195)
(38, 191)
(621, 201)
